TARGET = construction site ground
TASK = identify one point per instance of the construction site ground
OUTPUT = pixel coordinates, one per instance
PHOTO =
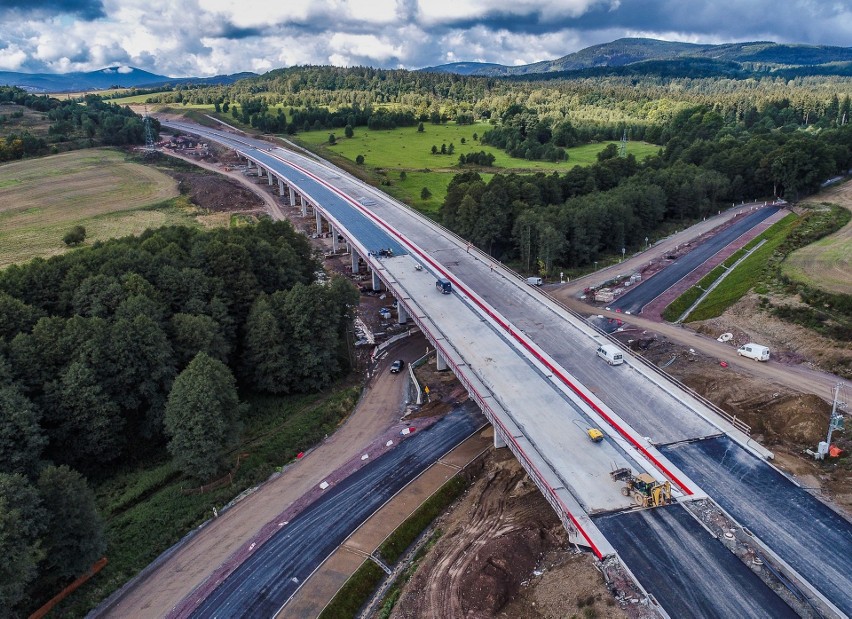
(502, 551)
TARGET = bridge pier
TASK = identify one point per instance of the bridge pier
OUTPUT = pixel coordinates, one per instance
(319, 221)
(259, 171)
(355, 260)
(402, 315)
(333, 237)
(280, 186)
(440, 361)
(499, 441)
(304, 204)
(377, 283)
(269, 177)
(292, 195)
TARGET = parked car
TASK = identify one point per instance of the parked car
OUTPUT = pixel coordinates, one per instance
(396, 366)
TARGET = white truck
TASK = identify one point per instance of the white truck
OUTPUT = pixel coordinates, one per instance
(754, 351)
(535, 281)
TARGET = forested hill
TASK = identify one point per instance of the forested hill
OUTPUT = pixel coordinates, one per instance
(760, 56)
(111, 355)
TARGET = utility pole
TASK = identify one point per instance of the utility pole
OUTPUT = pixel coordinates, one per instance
(835, 422)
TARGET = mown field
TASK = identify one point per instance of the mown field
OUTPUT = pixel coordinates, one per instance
(827, 263)
(41, 199)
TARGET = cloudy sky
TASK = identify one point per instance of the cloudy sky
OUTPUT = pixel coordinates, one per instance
(207, 37)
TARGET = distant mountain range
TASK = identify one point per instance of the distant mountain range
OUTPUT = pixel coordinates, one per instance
(123, 77)
(631, 56)
(758, 56)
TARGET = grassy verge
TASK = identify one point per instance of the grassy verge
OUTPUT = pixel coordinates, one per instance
(399, 541)
(392, 596)
(685, 301)
(361, 585)
(354, 593)
(747, 275)
(147, 511)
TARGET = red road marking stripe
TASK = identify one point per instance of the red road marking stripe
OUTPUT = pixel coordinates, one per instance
(491, 313)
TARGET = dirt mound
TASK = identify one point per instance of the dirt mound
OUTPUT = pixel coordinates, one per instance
(216, 193)
(504, 553)
(790, 343)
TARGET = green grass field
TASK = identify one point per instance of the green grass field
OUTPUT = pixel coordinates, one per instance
(827, 263)
(41, 199)
(407, 149)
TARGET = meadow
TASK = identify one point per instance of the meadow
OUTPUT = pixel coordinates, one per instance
(408, 149)
(41, 199)
(827, 263)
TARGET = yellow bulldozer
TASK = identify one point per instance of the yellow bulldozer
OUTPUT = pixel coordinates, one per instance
(645, 490)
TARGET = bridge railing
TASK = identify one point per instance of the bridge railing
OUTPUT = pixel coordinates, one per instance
(732, 419)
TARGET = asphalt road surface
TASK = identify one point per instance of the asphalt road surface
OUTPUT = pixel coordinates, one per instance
(270, 576)
(634, 300)
(804, 532)
(691, 574)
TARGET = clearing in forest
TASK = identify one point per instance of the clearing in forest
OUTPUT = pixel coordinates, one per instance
(41, 199)
(826, 264)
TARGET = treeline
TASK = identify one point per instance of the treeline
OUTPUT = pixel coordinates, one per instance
(72, 125)
(604, 106)
(112, 352)
(573, 219)
(524, 135)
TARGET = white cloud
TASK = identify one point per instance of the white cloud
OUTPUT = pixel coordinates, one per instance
(12, 58)
(208, 37)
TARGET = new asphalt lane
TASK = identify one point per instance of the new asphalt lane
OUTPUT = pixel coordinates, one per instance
(814, 540)
(263, 583)
(633, 301)
(688, 572)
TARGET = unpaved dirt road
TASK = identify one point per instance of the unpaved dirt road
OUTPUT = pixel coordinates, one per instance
(379, 408)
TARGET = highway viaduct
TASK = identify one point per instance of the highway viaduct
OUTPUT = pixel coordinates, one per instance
(530, 366)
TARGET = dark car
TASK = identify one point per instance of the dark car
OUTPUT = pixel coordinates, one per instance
(396, 366)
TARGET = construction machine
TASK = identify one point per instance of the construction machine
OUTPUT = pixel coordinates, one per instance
(645, 490)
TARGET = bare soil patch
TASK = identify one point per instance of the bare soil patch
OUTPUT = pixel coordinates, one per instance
(785, 420)
(789, 343)
(504, 553)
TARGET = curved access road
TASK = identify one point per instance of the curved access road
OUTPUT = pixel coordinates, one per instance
(265, 581)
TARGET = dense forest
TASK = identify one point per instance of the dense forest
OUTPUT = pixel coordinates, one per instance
(603, 107)
(573, 219)
(113, 353)
(722, 140)
(92, 122)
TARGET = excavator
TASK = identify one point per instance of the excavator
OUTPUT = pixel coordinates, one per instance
(645, 490)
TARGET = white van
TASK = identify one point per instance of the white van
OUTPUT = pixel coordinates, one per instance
(534, 281)
(754, 351)
(611, 354)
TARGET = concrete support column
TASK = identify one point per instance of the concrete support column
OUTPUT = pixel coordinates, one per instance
(270, 177)
(304, 206)
(259, 171)
(355, 260)
(280, 186)
(292, 195)
(440, 362)
(319, 221)
(333, 237)
(377, 283)
(401, 313)
(498, 439)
